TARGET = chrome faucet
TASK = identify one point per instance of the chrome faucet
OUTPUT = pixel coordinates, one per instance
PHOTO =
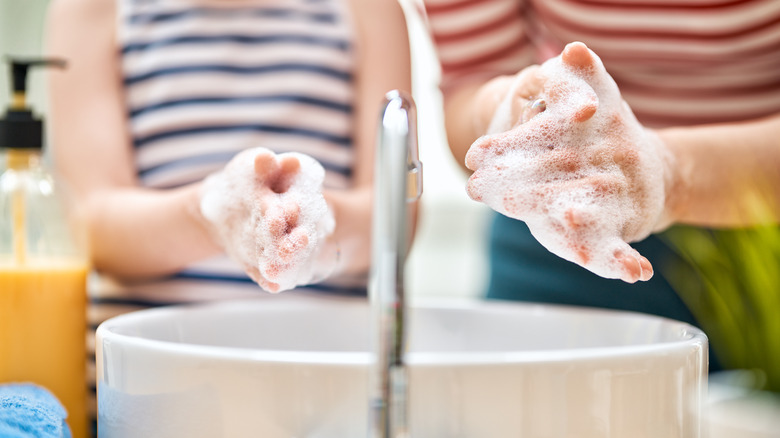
(397, 181)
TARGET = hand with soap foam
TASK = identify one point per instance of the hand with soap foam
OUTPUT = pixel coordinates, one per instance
(565, 154)
(268, 213)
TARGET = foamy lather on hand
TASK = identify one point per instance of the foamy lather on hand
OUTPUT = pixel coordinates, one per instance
(566, 155)
(269, 214)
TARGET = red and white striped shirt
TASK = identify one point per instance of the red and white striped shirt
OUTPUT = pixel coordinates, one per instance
(676, 62)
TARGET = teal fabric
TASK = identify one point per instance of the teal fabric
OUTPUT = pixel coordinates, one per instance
(521, 269)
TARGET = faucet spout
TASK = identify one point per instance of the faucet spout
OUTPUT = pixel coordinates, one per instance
(397, 181)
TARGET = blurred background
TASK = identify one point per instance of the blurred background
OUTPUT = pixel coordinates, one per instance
(449, 255)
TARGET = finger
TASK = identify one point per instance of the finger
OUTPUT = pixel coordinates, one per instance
(529, 83)
(526, 95)
(515, 202)
(575, 228)
(566, 242)
(582, 254)
(265, 165)
(586, 109)
(576, 100)
(538, 133)
(585, 64)
(292, 212)
(609, 257)
(276, 220)
(635, 267)
(532, 109)
(292, 244)
(474, 187)
(510, 95)
(542, 179)
(577, 56)
(290, 164)
(521, 88)
(575, 219)
(270, 204)
(558, 163)
(288, 170)
(492, 145)
(603, 187)
(647, 268)
(270, 286)
(508, 190)
(478, 151)
(272, 270)
(254, 274)
(538, 188)
(277, 173)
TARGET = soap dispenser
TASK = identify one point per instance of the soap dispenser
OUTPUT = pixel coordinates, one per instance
(43, 264)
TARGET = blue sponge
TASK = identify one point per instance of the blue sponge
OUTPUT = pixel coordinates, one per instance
(31, 411)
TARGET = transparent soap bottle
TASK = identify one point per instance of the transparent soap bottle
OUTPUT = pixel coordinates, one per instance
(43, 266)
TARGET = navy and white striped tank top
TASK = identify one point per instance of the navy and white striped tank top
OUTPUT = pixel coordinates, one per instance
(205, 80)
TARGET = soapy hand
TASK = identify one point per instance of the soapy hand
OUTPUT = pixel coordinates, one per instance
(565, 154)
(269, 214)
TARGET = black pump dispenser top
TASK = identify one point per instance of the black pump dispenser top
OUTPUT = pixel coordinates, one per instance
(19, 129)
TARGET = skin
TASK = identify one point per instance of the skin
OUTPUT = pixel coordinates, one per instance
(707, 171)
(129, 224)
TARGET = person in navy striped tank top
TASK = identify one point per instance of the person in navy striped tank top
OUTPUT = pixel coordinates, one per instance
(161, 94)
(702, 75)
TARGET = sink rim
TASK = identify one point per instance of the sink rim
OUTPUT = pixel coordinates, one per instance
(690, 337)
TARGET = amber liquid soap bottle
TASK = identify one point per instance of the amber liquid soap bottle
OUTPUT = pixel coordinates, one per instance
(43, 265)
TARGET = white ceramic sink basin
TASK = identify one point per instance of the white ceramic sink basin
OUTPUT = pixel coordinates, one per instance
(295, 367)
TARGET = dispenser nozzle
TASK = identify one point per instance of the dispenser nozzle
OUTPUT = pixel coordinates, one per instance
(19, 69)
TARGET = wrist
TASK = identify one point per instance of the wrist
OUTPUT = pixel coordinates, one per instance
(349, 244)
(195, 211)
(675, 192)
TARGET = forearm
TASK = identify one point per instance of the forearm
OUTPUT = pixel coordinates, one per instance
(138, 232)
(459, 120)
(352, 235)
(725, 175)
(352, 211)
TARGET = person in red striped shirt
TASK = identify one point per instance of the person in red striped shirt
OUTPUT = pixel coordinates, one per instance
(693, 117)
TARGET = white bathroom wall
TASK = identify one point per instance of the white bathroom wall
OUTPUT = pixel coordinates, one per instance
(448, 257)
(21, 34)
